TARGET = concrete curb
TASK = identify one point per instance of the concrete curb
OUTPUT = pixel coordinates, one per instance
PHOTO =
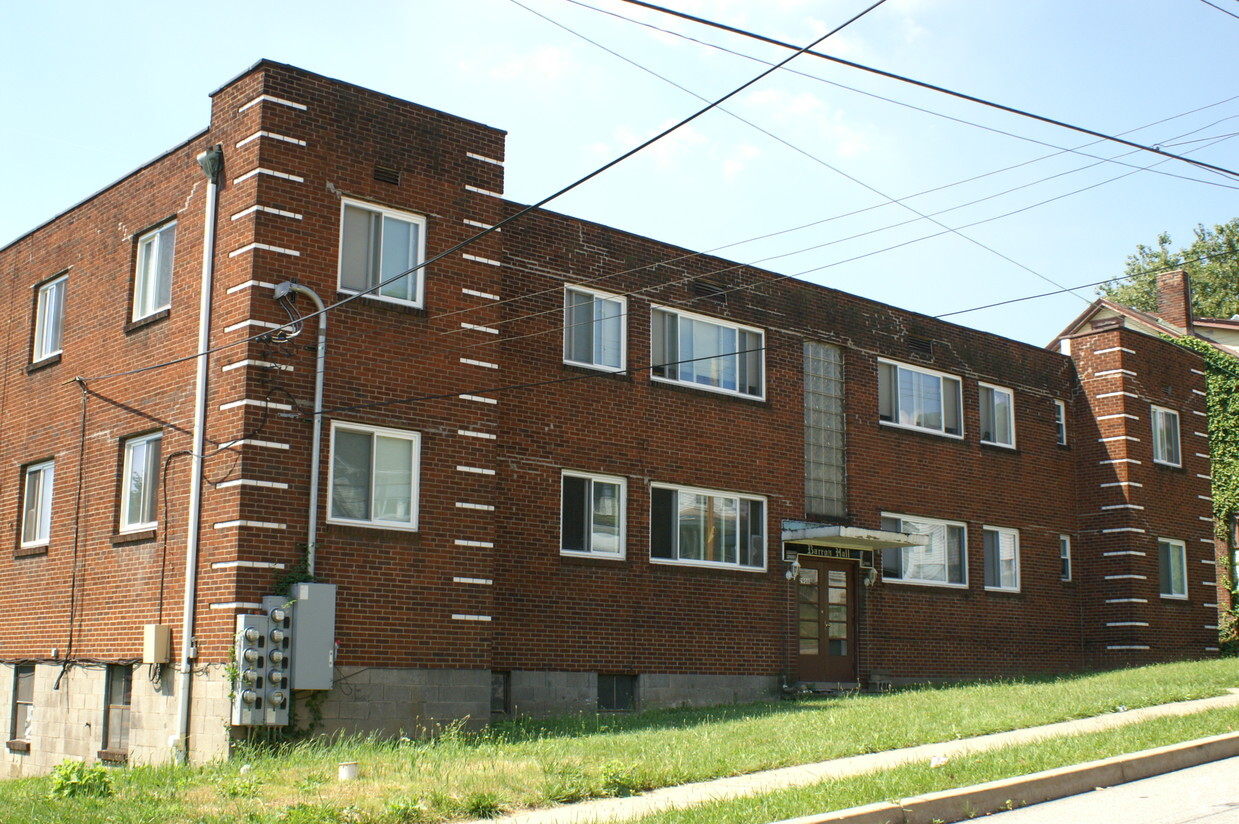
(996, 796)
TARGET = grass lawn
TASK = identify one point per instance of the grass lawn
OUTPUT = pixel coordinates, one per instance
(524, 764)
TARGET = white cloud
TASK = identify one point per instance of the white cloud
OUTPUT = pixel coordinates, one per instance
(543, 63)
(737, 162)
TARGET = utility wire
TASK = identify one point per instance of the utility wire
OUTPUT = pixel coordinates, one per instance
(930, 86)
(1219, 8)
(527, 209)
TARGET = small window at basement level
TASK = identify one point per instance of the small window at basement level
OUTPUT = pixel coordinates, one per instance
(23, 702)
(139, 497)
(500, 693)
(377, 245)
(917, 398)
(374, 476)
(701, 527)
(997, 415)
(592, 520)
(593, 328)
(1172, 568)
(116, 708)
(706, 353)
(1064, 557)
(617, 693)
(1060, 423)
(1166, 436)
(1002, 559)
(37, 504)
(943, 561)
(152, 288)
(49, 316)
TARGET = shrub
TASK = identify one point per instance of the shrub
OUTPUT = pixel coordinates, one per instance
(73, 779)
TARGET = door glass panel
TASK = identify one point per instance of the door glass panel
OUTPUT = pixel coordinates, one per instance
(808, 629)
(808, 612)
(808, 646)
(837, 578)
(839, 647)
(837, 613)
(808, 576)
(838, 629)
(837, 596)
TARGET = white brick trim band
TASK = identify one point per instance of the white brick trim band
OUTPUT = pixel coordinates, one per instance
(1210, 626)
(247, 565)
(481, 581)
(1118, 415)
(269, 210)
(1126, 646)
(1127, 623)
(475, 293)
(490, 330)
(1209, 606)
(478, 399)
(1206, 540)
(479, 507)
(252, 482)
(249, 284)
(1210, 649)
(476, 470)
(1203, 518)
(1109, 372)
(261, 324)
(481, 363)
(1201, 434)
(480, 225)
(253, 442)
(1202, 455)
(1121, 460)
(1118, 394)
(1122, 529)
(1114, 349)
(1198, 392)
(260, 404)
(478, 544)
(254, 524)
(459, 617)
(470, 434)
(257, 364)
(1208, 561)
(1122, 483)
(1119, 552)
(482, 191)
(477, 259)
(264, 171)
(1197, 372)
(1209, 584)
(236, 605)
(272, 136)
(1204, 477)
(1118, 438)
(267, 247)
(1122, 506)
(1201, 414)
(272, 99)
(483, 158)
(1127, 600)
(1127, 577)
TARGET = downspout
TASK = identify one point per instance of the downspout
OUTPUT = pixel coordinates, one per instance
(211, 161)
(320, 356)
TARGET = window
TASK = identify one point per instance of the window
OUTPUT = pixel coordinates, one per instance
(1172, 566)
(140, 483)
(374, 476)
(593, 329)
(23, 702)
(617, 693)
(942, 561)
(704, 528)
(1166, 436)
(1064, 557)
(1060, 423)
(1002, 559)
(593, 515)
(377, 244)
(706, 353)
(152, 288)
(997, 415)
(37, 504)
(919, 399)
(116, 708)
(49, 316)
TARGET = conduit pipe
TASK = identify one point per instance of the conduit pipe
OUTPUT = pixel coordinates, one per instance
(212, 162)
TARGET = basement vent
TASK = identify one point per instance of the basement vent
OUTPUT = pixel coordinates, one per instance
(921, 346)
(385, 174)
(1106, 323)
(710, 291)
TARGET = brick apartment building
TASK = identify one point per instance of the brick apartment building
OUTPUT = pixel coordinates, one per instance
(562, 468)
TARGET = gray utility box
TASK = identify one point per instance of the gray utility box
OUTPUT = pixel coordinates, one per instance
(313, 651)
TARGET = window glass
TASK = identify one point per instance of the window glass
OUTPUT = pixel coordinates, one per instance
(23, 701)
(37, 504)
(593, 329)
(152, 290)
(1172, 565)
(1064, 557)
(941, 561)
(1166, 436)
(997, 416)
(1002, 558)
(119, 699)
(592, 515)
(377, 245)
(707, 528)
(706, 353)
(49, 319)
(1060, 422)
(140, 482)
(918, 399)
(373, 476)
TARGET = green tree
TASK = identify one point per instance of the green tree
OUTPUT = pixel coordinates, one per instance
(1211, 260)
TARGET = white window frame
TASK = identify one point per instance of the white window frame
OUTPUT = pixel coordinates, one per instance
(963, 553)
(415, 439)
(150, 490)
(1001, 531)
(598, 298)
(676, 360)
(713, 493)
(21, 731)
(419, 275)
(49, 321)
(942, 376)
(622, 536)
(1064, 557)
(146, 274)
(994, 391)
(38, 482)
(1179, 549)
(1159, 416)
(1060, 423)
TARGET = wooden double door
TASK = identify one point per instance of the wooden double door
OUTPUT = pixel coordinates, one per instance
(826, 592)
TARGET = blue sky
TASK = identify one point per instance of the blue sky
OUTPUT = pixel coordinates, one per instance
(89, 91)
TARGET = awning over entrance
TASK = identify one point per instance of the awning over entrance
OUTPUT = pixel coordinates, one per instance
(847, 537)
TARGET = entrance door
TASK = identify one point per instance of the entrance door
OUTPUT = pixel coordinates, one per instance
(826, 607)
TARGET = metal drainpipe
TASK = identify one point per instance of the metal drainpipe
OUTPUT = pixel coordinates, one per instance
(211, 161)
(320, 357)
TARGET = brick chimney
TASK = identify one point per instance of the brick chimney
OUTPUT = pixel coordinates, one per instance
(1174, 298)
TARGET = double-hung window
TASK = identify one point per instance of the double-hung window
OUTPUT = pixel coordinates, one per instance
(1002, 559)
(1060, 423)
(152, 287)
(1172, 568)
(116, 708)
(701, 527)
(593, 329)
(1166, 437)
(997, 415)
(139, 498)
(1064, 557)
(942, 561)
(49, 317)
(37, 504)
(23, 702)
(706, 353)
(377, 247)
(592, 519)
(374, 476)
(917, 398)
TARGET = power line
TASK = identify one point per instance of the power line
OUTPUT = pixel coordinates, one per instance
(930, 86)
(527, 209)
(1219, 8)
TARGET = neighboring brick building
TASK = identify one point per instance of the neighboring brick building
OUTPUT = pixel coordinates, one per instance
(562, 468)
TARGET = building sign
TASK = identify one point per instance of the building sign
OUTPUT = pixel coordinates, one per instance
(864, 556)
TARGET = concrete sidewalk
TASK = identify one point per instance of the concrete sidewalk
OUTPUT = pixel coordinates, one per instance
(688, 795)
